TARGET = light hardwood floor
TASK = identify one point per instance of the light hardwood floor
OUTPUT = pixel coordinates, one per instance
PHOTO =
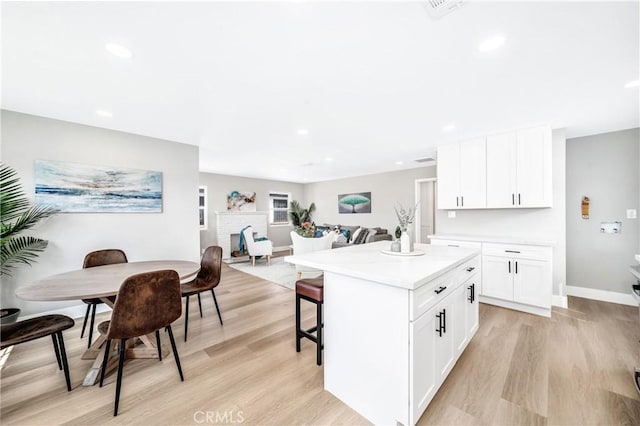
(572, 369)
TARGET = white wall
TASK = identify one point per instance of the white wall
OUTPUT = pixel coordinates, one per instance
(604, 168)
(387, 189)
(172, 234)
(219, 186)
(540, 224)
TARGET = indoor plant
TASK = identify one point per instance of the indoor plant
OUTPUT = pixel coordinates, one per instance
(299, 215)
(17, 215)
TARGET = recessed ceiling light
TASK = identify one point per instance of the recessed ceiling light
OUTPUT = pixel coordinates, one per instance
(104, 113)
(491, 43)
(328, 159)
(399, 163)
(118, 50)
(448, 128)
(303, 132)
(634, 83)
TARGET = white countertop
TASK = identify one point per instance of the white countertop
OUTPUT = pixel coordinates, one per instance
(366, 261)
(493, 239)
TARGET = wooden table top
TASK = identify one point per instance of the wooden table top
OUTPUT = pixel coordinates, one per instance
(100, 281)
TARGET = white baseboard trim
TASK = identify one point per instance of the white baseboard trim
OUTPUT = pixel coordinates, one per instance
(74, 312)
(544, 312)
(602, 295)
(559, 301)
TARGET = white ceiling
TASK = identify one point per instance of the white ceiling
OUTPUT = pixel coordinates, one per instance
(372, 82)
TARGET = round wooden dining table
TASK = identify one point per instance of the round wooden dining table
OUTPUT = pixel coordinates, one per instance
(103, 282)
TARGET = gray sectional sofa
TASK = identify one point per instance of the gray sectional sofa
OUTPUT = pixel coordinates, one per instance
(374, 234)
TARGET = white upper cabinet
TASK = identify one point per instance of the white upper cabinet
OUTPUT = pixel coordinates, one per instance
(519, 169)
(462, 175)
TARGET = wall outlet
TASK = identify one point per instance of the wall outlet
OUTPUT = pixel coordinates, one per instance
(632, 214)
(451, 214)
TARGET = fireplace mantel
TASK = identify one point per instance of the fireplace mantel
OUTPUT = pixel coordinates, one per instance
(228, 222)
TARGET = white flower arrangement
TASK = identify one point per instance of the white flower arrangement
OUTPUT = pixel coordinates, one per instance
(405, 216)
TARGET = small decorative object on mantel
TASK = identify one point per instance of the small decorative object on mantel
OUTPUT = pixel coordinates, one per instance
(585, 207)
(405, 218)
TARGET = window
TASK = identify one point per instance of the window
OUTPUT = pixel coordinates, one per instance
(278, 208)
(202, 207)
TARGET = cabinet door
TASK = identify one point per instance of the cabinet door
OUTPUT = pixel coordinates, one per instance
(424, 381)
(471, 289)
(533, 167)
(473, 174)
(445, 351)
(497, 278)
(501, 170)
(532, 281)
(458, 319)
(448, 176)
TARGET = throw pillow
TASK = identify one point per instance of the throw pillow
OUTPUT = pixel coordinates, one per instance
(355, 234)
(340, 238)
(362, 236)
(345, 233)
(372, 232)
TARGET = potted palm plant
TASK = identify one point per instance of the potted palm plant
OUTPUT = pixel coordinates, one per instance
(17, 214)
(300, 215)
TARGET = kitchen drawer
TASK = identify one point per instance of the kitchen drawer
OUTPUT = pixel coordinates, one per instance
(517, 251)
(454, 243)
(468, 269)
(425, 297)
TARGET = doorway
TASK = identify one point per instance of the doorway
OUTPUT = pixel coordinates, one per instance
(425, 198)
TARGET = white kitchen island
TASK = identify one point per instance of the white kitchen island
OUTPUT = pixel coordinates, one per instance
(394, 326)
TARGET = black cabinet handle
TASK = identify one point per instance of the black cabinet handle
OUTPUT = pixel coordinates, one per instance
(516, 266)
(462, 201)
(511, 251)
(444, 320)
(519, 199)
(439, 329)
(471, 268)
(509, 266)
(513, 199)
(457, 202)
(472, 293)
(453, 245)
(440, 290)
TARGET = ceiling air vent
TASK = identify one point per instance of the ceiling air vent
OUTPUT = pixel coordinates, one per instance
(424, 160)
(439, 8)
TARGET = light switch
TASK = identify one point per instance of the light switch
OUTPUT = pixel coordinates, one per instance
(451, 214)
(632, 214)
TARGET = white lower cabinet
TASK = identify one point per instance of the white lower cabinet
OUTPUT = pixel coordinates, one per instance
(439, 336)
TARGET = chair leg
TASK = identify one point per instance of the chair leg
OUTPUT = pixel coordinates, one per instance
(93, 318)
(55, 348)
(253, 260)
(298, 275)
(119, 379)
(186, 319)
(297, 323)
(268, 260)
(65, 363)
(158, 345)
(107, 350)
(319, 333)
(200, 305)
(84, 323)
(217, 308)
(175, 352)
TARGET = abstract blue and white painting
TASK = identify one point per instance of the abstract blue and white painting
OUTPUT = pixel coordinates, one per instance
(80, 188)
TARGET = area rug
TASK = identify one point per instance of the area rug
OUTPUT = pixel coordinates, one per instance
(279, 272)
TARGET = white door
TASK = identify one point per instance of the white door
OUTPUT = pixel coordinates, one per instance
(422, 362)
(473, 174)
(501, 170)
(531, 168)
(531, 282)
(497, 278)
(448, 170)
(472, 290)
(427, 205)
(445, 352)
(458, 319)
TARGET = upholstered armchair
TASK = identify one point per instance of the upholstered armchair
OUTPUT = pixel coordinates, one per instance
(303, 245)
(257, 248)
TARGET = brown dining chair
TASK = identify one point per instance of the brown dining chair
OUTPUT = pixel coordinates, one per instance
(208, 278)
(35, 328)
(98, 258)
(145, 303)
